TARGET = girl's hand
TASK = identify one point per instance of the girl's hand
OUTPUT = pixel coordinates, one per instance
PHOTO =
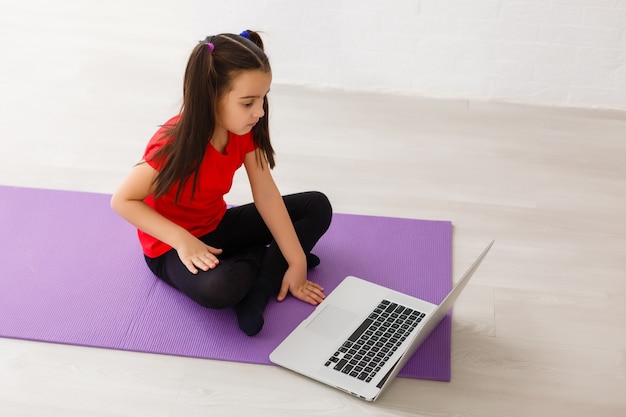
(195, 254)
(295, 281)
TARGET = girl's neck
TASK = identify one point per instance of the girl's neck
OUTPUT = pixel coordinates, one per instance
(219, 141)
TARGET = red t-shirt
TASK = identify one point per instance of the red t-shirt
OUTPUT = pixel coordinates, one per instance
(202, 214)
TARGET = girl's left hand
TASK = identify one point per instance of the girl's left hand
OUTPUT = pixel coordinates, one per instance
(295, 282)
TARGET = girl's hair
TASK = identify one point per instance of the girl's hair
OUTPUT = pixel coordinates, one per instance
(211, 69)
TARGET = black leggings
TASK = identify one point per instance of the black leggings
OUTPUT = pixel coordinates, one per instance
(249, 252)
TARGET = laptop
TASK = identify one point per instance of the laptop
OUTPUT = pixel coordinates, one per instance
(362, 334)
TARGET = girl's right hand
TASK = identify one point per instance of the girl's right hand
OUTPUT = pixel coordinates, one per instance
(196, 254)
(128, 201)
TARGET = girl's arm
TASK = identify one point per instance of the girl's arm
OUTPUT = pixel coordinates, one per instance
(128, 203)
(271, 206)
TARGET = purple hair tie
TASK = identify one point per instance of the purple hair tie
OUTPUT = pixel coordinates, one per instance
(245, 34)
(211, 46)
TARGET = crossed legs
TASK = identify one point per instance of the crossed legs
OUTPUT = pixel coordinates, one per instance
(251, 266)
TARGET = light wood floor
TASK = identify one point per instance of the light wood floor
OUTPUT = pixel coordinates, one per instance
(540, 331)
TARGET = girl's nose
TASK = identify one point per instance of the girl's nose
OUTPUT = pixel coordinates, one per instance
(259, 112)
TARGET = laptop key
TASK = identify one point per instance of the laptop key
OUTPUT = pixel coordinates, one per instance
(391, 307)
(355, 336)
(340, 364)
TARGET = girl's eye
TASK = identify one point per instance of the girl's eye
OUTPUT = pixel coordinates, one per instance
(248, 104)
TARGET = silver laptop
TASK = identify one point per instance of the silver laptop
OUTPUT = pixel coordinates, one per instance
(362, 334)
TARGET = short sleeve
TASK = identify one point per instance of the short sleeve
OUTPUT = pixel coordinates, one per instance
(156, 142)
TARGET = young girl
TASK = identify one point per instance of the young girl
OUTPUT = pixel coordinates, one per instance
(223, 257)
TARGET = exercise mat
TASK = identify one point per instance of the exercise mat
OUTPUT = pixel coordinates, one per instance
(72, 272)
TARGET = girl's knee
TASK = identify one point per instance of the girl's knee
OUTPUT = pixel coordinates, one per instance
(218, 293)
(323, 208)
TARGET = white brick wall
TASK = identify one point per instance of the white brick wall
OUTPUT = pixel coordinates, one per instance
(556, 52)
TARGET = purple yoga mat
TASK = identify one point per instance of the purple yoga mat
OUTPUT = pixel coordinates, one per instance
(72, 272)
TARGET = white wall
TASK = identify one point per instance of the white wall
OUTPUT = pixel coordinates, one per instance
(555, 52)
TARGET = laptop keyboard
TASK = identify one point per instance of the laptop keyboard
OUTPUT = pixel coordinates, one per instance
(367, 350)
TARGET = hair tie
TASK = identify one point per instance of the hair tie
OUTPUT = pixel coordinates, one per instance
(211, 46)
(245, 34)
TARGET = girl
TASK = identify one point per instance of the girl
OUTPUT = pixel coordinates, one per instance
(223, 257)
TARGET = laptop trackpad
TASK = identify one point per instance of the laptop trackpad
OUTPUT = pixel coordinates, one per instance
(331, 322)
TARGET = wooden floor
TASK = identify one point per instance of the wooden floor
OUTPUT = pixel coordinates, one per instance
(540, 331)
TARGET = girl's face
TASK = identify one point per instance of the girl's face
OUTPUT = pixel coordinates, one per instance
(241, 108)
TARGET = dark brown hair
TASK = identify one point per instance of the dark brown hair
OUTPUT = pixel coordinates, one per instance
(209, 75)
